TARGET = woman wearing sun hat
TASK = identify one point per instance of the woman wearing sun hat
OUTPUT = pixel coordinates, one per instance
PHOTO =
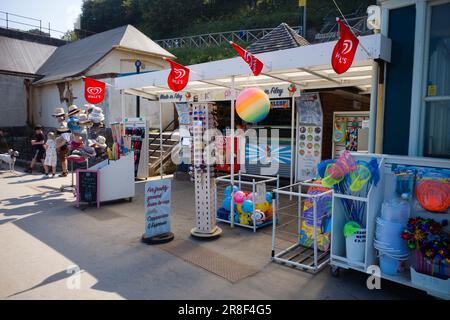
(60, 116)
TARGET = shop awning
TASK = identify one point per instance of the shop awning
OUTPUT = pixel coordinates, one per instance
(308, 67)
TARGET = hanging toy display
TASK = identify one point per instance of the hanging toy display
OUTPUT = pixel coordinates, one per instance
(252, 105)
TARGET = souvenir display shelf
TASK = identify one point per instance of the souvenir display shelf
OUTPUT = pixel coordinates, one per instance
(290, 246)
(374, 200)
(248, 183)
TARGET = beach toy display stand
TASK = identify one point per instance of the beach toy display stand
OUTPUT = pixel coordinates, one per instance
(377, 195)
(249, 184)
(300, 234)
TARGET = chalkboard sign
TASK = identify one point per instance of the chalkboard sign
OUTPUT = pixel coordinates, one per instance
(87, 186)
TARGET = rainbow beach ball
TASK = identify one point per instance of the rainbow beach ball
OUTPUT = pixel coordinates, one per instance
(252, 105)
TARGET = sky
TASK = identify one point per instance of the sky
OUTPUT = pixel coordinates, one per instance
(61, 14)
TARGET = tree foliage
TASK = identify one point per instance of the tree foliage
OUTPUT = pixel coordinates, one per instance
(170, 18)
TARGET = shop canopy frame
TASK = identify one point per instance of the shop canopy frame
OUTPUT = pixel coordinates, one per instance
(308, 67)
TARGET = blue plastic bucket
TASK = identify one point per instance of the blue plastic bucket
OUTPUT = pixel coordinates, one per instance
(392, 266)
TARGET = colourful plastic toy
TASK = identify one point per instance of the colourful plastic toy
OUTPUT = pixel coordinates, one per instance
(247, 206)
(239, 197)
(253, 105)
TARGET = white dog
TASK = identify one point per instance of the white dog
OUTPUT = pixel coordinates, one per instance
(9, 158)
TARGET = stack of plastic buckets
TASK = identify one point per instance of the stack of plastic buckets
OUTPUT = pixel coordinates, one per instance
(391, 247)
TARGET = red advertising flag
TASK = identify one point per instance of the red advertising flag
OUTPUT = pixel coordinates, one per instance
(255, 64)
(178, 76)
(94, 91)
(345, 49)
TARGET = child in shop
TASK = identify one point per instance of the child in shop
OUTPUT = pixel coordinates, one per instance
(50, 155)
(38, 147)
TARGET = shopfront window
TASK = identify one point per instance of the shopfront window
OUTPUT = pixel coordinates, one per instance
(437, 101)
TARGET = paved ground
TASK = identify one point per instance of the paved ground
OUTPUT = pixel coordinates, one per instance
(42, 234)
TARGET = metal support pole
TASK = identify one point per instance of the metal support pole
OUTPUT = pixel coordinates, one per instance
(315, 231)
(233, 98)
(240, 184)
(161, 169)
(292, 143)
(304, 21)
(254, 206)
(122, 104)
(7, 22)
(274, 222)
(373, 107)
(138, 65)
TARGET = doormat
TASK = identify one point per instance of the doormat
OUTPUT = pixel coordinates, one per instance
(209, 260)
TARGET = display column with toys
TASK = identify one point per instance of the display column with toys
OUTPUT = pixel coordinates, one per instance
(136, 130)
(202, 170)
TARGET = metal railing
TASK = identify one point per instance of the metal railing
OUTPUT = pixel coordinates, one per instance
(34, 26)
(216, 39)
(158, 137)
(330, 30)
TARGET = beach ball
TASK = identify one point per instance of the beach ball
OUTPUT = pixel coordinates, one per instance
(239, 197)
(250, 196)
(247, 206)
(269, 197)
(227, 192)
(252, 105)
(227, 203)
(259, 217)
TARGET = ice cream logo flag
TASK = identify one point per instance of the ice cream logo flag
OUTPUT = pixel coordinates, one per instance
(345, 49)
(254, 63)
(178, 76)
(94, 91)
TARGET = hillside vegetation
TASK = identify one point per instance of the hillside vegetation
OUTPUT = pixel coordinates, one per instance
(161, 19)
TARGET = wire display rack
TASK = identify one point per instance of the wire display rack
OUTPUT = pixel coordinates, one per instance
(247, 183)
(293, 207)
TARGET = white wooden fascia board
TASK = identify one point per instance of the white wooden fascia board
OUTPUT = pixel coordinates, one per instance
(301, 57)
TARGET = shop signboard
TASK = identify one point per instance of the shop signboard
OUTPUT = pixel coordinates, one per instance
(158, 207)
(280, 104)
(274, 92)
(309, 135)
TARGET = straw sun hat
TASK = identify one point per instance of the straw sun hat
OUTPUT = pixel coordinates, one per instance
(59, 112)
(99, 142)
(73, 110)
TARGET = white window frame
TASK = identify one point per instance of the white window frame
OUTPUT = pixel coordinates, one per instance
(421, 139)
